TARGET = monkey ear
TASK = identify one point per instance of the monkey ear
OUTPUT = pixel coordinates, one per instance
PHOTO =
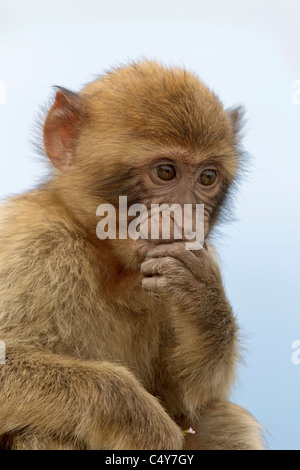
(61, 129)
(236, 116)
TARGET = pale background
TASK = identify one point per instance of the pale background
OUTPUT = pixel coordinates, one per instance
(248, 53)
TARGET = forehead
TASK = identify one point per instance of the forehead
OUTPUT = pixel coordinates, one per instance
(168, 106)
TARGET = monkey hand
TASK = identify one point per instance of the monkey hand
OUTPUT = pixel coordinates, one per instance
(189, 279)
(133, 419)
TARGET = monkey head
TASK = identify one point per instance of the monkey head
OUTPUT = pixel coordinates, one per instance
(154, 134)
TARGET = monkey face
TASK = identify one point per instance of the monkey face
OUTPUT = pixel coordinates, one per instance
(173, 179)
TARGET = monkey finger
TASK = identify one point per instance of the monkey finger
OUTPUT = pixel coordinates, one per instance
(178, 252)
(159, 266)
(155, 284)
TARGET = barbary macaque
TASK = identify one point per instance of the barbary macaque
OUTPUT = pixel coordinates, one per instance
(122, 343)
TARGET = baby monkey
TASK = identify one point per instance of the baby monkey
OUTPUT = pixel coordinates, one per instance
(122, 343)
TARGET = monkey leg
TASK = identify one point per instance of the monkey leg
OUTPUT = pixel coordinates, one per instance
(223, 426)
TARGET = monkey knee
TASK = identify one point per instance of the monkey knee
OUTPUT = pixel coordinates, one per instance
(227, 426)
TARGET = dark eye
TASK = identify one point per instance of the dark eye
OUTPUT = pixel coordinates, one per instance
(208, 177)
(166, 172)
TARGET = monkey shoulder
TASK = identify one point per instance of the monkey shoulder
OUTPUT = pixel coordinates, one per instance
(45, 264)
(37, 224)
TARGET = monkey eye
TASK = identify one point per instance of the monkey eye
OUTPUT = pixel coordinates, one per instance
(166, 172)
(208, 177)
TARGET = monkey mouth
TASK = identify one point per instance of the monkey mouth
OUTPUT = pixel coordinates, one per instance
(159, 224)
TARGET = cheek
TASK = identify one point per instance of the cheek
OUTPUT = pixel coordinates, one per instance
(211, 201)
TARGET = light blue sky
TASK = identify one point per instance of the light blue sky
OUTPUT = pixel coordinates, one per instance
(248, 53)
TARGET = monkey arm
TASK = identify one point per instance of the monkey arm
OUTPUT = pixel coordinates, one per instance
(203, 354)
(100, 405)
(201, 358)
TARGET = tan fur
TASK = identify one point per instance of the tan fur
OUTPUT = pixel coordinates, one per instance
(94, 359)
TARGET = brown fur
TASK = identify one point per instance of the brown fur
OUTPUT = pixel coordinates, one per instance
(94, 359)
